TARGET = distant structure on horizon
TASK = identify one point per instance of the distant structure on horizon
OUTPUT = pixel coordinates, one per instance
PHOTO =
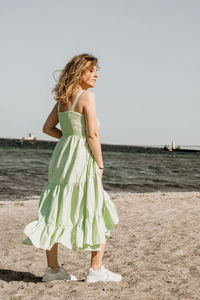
(29, 137)
(171, 147)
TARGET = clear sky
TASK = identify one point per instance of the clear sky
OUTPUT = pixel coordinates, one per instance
(147, 91)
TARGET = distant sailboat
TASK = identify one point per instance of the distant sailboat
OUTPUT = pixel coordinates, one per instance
(171, 147)
(29, 137)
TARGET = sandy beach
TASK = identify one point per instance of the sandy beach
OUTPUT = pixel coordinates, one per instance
(155, 247)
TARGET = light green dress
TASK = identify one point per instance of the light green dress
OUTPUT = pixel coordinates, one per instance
(74, 209)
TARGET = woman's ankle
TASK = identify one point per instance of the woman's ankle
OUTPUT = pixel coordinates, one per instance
(55, 268)
(95, 267)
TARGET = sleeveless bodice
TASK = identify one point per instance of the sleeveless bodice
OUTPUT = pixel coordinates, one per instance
(71, 122)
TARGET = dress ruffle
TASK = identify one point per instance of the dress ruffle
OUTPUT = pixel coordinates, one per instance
(65, 216)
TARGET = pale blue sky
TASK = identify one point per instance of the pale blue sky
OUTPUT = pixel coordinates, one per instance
(148, 87)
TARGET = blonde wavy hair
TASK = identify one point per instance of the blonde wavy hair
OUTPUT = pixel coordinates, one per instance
(70, 76)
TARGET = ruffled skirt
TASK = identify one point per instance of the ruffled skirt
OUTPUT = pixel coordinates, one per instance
(74, 209)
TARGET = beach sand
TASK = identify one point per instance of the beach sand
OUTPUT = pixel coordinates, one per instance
(155, 247)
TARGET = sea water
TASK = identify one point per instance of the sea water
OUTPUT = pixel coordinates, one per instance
(24, 172)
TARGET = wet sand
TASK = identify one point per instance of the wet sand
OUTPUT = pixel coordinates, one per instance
(155, 247)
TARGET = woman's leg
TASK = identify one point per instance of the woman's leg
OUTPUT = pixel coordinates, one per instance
(52, 257)
(96, 257)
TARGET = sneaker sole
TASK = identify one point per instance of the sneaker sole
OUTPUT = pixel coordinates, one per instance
(88, 280)
(47, 280)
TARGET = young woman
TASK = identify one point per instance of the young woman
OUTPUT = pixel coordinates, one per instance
(74, 209)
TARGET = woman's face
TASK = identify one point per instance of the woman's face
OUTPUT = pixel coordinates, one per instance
(89, 76)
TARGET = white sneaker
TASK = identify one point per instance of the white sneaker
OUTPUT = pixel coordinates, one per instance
(61, 273)
(103, 274)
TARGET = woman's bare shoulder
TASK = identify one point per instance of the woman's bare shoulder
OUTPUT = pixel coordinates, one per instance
(88, 97)
(88, 93)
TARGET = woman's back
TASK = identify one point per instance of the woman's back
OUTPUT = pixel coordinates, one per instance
(71, 122)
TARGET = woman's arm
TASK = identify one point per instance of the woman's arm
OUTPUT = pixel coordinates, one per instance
(51, 122)
(92, 127)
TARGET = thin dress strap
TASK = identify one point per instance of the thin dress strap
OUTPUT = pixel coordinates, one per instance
(58, 106)
(74, 103)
